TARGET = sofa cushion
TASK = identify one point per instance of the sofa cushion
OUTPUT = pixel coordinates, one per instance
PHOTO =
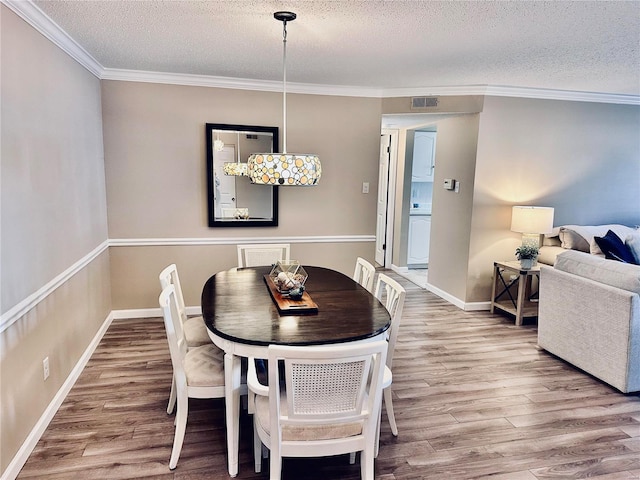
(615, 274)
(614, 248)
(548, 254)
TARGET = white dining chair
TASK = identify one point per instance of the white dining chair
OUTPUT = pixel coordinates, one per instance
(198, 372)
(194, 329)
(364, 273)
(323, 400)
(392, 295)
(257, 255)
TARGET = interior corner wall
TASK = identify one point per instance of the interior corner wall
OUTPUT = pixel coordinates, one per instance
(452, 211)
(154, 136)
(581, 158)
(54, 261)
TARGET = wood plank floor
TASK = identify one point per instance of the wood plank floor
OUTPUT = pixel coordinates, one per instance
(474, 398)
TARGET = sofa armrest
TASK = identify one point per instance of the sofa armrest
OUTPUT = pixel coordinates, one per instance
(591, 325)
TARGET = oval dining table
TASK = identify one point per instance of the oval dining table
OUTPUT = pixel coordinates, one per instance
(243, 319)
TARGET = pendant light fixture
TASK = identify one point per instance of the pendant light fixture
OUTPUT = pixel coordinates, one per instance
(218, 144)
(237, 168)
(294, 169)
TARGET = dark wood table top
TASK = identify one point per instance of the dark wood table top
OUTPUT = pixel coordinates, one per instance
(237, 306)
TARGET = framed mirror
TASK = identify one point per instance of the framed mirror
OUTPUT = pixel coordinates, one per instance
(233, 201)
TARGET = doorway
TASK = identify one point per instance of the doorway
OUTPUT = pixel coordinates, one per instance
(399, 127)
(385, 213)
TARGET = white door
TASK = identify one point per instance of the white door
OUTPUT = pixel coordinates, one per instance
(383, 188)
(225, 191)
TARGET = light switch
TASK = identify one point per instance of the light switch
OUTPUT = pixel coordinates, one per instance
(365, 187)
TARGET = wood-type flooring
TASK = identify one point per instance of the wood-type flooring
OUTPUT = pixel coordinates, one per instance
(474, 398)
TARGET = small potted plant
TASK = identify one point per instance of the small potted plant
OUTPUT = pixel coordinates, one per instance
(527, 254)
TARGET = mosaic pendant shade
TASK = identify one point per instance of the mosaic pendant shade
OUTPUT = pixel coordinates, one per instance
(235, 168)
(284, 169)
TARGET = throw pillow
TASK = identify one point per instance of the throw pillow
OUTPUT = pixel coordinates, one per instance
(633, 242)
(572, 240)
(614, 248)
(620, 230)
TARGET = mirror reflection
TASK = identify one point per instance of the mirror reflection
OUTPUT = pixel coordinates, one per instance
(233, 201)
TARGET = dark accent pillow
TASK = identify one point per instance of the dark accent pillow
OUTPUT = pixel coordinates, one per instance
(614, 248)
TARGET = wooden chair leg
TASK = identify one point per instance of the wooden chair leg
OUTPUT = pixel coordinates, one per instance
(366, 462)
(275, 467)
(172, 397)
(257, 450)
(388, 403)
(181, 427)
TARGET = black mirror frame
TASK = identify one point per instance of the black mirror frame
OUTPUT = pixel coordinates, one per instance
(209, 128)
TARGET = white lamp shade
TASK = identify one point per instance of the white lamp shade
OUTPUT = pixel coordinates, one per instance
(525, 219)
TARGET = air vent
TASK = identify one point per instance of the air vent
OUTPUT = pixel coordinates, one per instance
(418, 103)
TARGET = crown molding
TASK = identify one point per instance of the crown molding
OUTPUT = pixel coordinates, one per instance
(237, 83)
(35, 17)
(571, 95)
(510, 91)
(337, 90)
(28, 11)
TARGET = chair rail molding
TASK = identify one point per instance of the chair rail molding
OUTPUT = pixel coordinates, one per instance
(21, 308)
(150, 242)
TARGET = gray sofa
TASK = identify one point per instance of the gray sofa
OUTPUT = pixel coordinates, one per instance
(589, 315)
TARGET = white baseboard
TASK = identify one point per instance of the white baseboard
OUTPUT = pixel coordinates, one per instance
(21, 457)
(398, 269)
(136, 313)
(477, 306)
(467, 307)
(446, 296)
(148, 313)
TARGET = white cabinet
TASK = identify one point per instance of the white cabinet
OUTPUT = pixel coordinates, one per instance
(424, 152)
(419, 232)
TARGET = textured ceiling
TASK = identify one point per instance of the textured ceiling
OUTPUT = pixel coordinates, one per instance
(565, 45)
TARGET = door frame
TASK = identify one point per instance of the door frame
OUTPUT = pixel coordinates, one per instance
(391, 193)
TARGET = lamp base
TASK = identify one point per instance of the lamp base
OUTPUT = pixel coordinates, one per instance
(531, 239)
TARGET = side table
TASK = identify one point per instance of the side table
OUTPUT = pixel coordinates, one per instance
(505, 276)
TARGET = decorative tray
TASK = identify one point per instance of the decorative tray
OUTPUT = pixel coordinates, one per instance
(288, 305)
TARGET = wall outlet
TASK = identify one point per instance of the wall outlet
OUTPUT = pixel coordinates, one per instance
(45, 367)
(365, 187)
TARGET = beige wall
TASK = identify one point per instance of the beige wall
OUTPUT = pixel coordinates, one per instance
(196, 263)
(452, 212)
(581, 158)
(53, 214)
(154, 139)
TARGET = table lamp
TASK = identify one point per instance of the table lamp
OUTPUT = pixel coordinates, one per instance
(531, 222)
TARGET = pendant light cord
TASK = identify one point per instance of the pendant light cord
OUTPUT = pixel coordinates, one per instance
(284, 85)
